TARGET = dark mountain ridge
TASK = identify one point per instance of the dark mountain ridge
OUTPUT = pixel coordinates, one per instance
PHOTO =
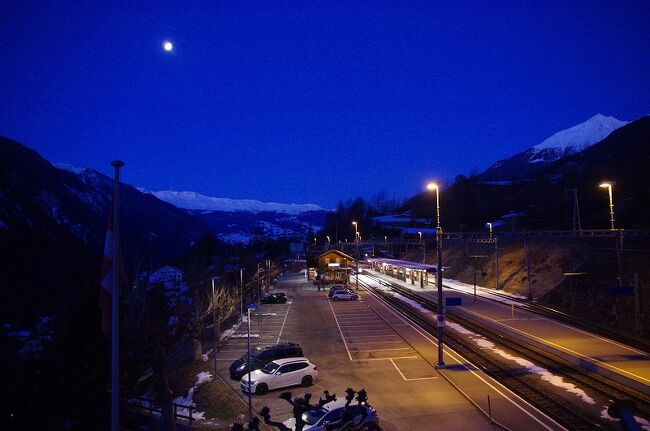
(53, 224)
(542, 199)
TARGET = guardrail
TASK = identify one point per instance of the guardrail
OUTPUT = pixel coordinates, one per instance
(148, 405)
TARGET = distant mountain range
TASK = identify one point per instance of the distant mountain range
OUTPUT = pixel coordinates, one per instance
(564, 143)
(196, 201)
(240, 220)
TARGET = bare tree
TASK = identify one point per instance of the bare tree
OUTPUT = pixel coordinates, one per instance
(150, 335)
(224, 302)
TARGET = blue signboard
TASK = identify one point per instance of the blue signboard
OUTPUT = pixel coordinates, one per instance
(453, 302)
(621, 290)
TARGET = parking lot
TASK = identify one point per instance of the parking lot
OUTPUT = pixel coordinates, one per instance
(368, 337)
(352, 346)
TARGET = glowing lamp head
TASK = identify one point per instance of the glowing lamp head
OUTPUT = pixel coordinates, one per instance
(604, 185)
(432, 186)
(168, 46)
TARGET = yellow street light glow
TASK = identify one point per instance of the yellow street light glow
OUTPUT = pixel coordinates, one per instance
(354, 222)
(604, 185)
(432, 186)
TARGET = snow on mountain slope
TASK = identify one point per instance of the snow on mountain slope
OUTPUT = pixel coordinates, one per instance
(197, 201)
(576, 138)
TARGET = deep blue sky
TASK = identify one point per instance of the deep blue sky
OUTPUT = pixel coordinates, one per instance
(312, 102)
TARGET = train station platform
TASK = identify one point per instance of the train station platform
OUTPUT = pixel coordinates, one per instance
(610, 358)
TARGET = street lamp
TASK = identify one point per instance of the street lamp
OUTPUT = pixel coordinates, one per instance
(214, 330)
(619, 239)
(441, 307)
(248, 359)
(496, 256)
(356, 239)
(420, 233)
(241, 292)
(611, 203)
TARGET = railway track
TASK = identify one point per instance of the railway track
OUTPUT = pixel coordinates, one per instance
(527, 386)
(559, 315)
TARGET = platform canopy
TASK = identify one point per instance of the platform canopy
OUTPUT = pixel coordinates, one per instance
(403, 263)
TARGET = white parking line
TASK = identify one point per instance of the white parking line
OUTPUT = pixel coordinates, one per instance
(375, 336)
(408, 380)
(285, 321)
(341, 332)
(382, 349)
(376, 342)
(385, 359)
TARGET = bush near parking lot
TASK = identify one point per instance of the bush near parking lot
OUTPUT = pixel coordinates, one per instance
(301, 405)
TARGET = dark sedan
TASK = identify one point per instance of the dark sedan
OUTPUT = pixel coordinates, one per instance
(274, 298)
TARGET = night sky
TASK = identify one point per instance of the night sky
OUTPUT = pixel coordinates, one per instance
(312, 102)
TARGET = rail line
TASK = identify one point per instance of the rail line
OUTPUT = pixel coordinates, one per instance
(528, 387)
(559, 315)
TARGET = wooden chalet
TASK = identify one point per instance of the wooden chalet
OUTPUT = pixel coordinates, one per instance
(332, 266)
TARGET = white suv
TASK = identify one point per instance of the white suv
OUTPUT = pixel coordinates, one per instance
(279, 374)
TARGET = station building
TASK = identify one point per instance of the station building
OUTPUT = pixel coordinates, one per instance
(331, 266)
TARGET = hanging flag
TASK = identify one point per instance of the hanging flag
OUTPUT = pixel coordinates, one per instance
(106, 289)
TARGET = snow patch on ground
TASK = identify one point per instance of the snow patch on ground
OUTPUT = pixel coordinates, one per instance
(201, 378)
(524, 363)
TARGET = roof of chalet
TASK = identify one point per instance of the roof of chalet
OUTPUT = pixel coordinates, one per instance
(335, 251)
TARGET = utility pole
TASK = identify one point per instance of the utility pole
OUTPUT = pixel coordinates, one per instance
(637, 306)
(576, 210)
(496, 252)
(527, 246)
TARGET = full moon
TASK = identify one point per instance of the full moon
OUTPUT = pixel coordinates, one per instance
(168, 46)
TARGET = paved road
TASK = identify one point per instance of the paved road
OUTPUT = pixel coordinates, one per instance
(362, 344)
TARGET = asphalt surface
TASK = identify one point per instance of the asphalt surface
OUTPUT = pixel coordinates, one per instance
(362, 344)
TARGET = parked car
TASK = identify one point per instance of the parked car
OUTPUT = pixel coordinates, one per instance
(261, 356)
(280, 373)
(274, 298)
(346, 294)
(318, 418)
(335, 288)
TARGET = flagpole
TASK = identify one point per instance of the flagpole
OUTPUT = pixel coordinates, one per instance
(115, 305)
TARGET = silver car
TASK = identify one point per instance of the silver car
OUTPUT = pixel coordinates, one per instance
(345, 294)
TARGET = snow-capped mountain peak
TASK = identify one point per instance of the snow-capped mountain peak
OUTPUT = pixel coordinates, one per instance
(581, 136)
(197, 201)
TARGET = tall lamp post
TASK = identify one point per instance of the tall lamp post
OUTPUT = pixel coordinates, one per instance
(608, 186)
(241, 292)
(248, 359)
(356, 239)
(619, 239)
(214, 331)
(496, 257)
(441, 306)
